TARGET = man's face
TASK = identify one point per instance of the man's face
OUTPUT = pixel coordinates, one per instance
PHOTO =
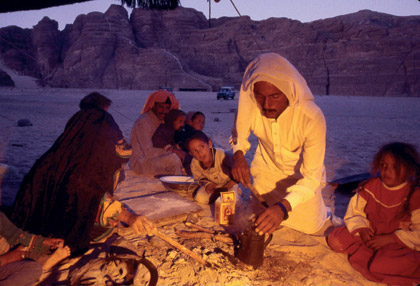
(271, 99)
(160, 109)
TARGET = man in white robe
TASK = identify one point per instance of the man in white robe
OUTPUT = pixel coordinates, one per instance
(276, 105)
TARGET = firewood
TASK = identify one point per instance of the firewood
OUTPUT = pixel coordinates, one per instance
(257, 195)
(204, 235)
(182, 248)
(189, 224)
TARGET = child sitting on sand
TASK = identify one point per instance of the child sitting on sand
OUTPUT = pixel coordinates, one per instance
(382, 224)
(164, 134)
(194, 121)
(17, 266)
(211, 167)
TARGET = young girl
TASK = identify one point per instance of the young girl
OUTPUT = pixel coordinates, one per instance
(382, 224)
(196, 120)
(211, 167)
(164, 134)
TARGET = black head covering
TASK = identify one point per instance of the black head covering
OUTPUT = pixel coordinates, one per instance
(60, 195)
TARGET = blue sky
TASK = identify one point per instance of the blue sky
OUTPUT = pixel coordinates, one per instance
(302, 10)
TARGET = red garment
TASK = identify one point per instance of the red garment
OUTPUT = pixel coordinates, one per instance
(160, 96)
(394, 263)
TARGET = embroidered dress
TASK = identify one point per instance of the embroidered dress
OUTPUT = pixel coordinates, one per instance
(380, 209)
(21, 272)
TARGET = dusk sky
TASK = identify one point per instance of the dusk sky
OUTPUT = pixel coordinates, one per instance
(302, 10)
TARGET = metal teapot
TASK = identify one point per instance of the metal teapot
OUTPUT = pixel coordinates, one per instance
(250, 247)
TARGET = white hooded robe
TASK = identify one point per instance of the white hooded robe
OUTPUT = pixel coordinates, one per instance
(289, 160)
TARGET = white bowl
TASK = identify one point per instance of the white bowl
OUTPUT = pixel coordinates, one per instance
(184, 185)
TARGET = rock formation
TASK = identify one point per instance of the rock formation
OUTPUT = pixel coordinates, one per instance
(5, 79)
(364, 53)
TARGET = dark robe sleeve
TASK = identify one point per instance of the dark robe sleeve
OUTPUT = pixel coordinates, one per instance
(163, 136)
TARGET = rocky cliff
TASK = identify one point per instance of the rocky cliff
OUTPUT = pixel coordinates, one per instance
(365, 53)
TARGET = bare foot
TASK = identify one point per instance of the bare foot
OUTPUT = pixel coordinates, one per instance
(58, 255)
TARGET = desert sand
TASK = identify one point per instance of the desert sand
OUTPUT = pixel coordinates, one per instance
(356, 128)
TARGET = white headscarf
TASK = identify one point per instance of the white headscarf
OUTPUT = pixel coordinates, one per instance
(275, 69)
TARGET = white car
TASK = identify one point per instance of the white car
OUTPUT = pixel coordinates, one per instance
(226, 92)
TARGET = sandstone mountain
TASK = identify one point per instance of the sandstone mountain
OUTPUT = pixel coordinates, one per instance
(365, 53)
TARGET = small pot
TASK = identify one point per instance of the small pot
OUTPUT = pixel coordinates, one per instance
(250, 247)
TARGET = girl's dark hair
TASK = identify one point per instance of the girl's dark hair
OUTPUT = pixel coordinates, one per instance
(404, 154)
(196, 114)
(199, 135)
(173, 115)
(95, 100)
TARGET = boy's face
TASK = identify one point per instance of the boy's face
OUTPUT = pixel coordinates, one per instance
(201, 151)
(198, 122)
(179, 122)
(389, 171)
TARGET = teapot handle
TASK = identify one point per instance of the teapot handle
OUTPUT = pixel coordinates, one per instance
(270, 237)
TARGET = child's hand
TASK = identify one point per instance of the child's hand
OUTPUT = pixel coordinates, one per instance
(210, 188)
(379, 241)
(53, 243)
(366, 234)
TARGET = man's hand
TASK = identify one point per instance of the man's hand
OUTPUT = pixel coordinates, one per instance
(271, 218)
(379, 241)
(142, 225)
(240, 169)
(53, 243)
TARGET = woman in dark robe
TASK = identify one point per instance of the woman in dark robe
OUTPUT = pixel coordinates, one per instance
(61, 194)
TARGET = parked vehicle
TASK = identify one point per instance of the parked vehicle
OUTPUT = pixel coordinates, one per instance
(226, 92)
